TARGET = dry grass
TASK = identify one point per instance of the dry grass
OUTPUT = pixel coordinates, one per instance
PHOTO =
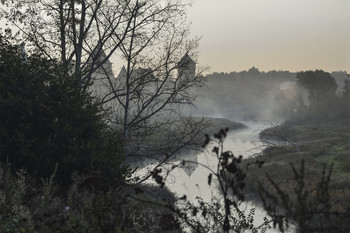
(315, 143)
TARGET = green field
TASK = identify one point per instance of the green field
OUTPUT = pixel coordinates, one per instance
(319, 144)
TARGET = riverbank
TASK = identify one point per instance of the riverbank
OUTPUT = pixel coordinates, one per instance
(212, 125)
(318, 144)
(186, 136)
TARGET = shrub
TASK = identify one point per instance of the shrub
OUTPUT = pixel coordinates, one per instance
(46, 118)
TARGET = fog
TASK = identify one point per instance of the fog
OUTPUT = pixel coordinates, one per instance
(254, 96)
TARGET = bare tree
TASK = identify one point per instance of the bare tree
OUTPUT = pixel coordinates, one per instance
(69, 30)
(150, 37)
(156, 79)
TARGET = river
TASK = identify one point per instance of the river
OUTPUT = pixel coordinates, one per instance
(192, 179)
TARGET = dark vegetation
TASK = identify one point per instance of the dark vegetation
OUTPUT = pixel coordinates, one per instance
(316, 144)
(253, 95)
(317, 140)
(305, 174)
(47, 119)
(246, 95)
(61, 167)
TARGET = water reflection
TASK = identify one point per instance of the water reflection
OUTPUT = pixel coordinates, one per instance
(191, 178)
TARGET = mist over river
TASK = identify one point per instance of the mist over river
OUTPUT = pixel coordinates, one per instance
(192, 178)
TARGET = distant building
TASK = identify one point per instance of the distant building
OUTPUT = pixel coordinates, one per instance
(186, 67)
(144, 83)
(103, 79)
(137, 76)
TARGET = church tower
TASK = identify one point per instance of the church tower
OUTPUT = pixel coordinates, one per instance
(103, 79)
(187, 67)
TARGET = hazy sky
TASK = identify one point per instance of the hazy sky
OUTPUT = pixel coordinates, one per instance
(272, 34)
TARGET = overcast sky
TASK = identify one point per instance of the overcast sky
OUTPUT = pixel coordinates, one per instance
(290, 35)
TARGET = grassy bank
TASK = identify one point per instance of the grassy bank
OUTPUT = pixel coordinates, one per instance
(216, 123)
(318, 144)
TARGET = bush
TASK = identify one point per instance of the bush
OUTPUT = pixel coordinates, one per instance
(27, 205)
(46, 118)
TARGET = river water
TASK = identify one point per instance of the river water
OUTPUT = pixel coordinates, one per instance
(192, 179)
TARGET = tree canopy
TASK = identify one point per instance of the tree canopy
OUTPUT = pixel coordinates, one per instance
(84, 36)
(318, 83)
(321, 88)
(45, 118)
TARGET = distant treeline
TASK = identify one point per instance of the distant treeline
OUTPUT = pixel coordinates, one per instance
(278, 75)
(253, 73)
(256, 95)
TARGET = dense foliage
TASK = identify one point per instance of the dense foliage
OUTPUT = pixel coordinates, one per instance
(47, 119)
(321, 89)
(61, 167)
(346, 97)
